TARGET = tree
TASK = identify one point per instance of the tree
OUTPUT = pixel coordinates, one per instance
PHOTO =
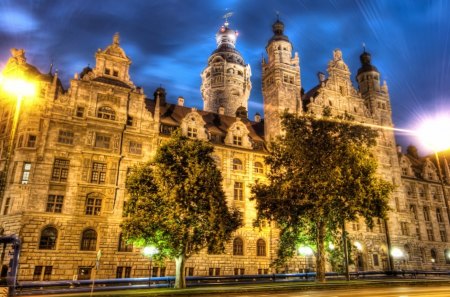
(177, 203)
(322, 173)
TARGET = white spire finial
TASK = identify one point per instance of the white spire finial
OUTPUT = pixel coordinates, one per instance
(226, 16)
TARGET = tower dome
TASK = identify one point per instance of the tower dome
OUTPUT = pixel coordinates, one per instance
(278, 31)
(226, 79)
(366, 65)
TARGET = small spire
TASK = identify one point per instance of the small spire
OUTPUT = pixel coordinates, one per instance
(116, 38)
(278, 15)
(364, 47)
(50, 71)
(226, 16)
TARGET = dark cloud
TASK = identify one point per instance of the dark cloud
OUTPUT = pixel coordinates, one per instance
(170, 41)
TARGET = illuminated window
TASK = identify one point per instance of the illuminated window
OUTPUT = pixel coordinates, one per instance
(93, 205)
(88, 240)
(60, 170)
(98, 174)
(65, 137)
(261, 247)
(238, 191)
(106, 113)
(26, 173)
(135, 148)
(48, 239)
(237, 164)
(238, 247)
(55, 203)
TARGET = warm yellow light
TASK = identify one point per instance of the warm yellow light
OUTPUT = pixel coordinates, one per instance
(396, 253)
(149, 251)
(17, 86)
(305, 251)
(434, 133)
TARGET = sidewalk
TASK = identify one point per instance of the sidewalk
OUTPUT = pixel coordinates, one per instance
(266, 287)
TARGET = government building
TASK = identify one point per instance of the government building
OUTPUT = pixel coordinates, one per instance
(65, 159)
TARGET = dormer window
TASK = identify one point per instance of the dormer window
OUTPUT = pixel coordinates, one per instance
(106, 113)
(237, 140)
(404, 171)
(192, 132)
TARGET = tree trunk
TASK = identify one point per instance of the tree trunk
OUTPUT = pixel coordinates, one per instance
(180, 278)
(320, 256)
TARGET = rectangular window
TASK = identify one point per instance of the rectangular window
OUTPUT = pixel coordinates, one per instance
(237, 140)
(239, 271)
(214, 271)
(93, 206)
(26, 173)
(115, 73)
(80, 112)
(47, 273)
(135, 148)
(419, 236)
(107, 71)
(6, 207)
(443, 235)
(238, 191)
(65, 137)
(376, 261)
(37, 273)
(55, 203)
(413, 210)
(439, 215)
(430, 234)
(155, 271)
(60, 170)
(84, 273)
(404, 227)
(263, 271)
(102, 141)
(123, 272)
(192, 132)
(31, 140)
(426, 214)
(98, 174)
(189, 271)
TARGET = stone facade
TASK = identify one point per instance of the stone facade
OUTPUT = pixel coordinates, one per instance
(68, 159)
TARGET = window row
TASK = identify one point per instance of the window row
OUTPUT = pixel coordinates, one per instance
(426, 213)
(238, 247)
(238, 166)
(49, 236)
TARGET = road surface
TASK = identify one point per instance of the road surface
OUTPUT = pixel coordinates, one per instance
(413, 291)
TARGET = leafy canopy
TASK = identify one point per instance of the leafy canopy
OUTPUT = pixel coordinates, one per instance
(322, 173)
(177, 202)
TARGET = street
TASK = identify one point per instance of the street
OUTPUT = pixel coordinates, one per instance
(439, 291)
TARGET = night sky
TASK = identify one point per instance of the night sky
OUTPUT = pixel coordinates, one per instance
(169, 42)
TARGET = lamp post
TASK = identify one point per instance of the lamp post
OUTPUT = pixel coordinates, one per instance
(20, 88)
(397, 254)
(432, 134)
(150, 251)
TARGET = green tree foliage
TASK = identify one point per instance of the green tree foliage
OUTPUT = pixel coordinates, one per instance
(177, 203)
(322, 173)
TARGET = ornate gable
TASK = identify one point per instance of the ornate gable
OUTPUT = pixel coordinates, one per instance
(238, 135)
(193, 125)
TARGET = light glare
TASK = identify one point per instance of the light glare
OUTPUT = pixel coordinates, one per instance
(434, 133)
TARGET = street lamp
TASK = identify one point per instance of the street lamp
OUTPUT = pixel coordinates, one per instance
(306, 252)
(150, 251)
(397, 254)
(19, 87)
(433, 134)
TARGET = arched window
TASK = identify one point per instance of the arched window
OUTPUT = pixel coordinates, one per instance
(237, 164)
(89, 240)
(238, 247)
(258, 168)
(48, 238)
(261, 247)
(434, 258)
(123, 245)
(106, 112)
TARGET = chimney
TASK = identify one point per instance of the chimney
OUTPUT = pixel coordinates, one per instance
(257, 117)
(221, 110)
(180, 101)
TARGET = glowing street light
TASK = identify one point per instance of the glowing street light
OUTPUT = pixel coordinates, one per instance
(433, 133)
(397, 254)
(19, 87)
(305, 251)
(150, 251)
